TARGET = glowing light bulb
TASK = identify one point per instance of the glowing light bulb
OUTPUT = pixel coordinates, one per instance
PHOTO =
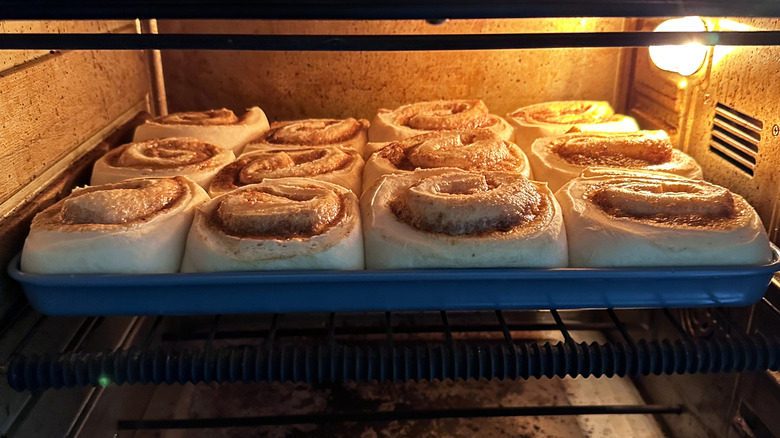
(684, 59)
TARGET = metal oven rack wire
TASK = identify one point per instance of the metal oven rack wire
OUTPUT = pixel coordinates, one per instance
(402, 346)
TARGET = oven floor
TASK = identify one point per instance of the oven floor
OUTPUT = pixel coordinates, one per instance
(248, 400)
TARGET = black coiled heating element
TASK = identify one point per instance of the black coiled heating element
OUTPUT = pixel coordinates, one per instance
(338, 363)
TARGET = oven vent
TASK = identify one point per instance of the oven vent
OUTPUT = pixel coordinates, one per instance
(735, 137)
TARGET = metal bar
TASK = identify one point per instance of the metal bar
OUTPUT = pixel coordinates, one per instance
(210, 338)
(380, 9)
(389, 328)
(347, 331)
(379, 43)
(446, 325)
(272, 332)
(505, 329)
(676, 324)
(620, 326)
(561, 326)
(771, 306)
(149, 336)
(331, 418)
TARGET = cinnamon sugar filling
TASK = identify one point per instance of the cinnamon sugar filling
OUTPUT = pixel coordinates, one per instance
(216, 117)
(314, 132)
(282, 213)
(469, 150)
(257, 166)
(670, 202)
(121, 203)
(620, 150)
(167, 153)
(445, 115)
(567, 113)
(470, 204)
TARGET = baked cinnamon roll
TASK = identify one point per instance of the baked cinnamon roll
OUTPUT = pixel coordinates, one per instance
(340, 166)
(451, 218)
(348, 133)
(133, 226)
(190, 157)
(475, 150)
(441, 115)
(220, 127)
(552, 119)
(287, 223)
(559, 159)
(659, 221)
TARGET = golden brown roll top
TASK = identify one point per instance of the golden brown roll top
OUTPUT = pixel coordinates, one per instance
(551, 119)
(648, 221)
(475, 150)
(349, 133)
(191, 157)
(131, 226)
(570, 113)
(442, 115)
(288, 223)
(340, 166)
(453, 218)
(559, 159)
(220, 127)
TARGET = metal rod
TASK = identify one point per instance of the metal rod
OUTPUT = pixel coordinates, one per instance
(379, 9)
(210, 338)
(377, 330)
(676, 324)
(505, 329)
(331, 418)
(269, 341)
(620, 326)
(561, 326)
(379, 43)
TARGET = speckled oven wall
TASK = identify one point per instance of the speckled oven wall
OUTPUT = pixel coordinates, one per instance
(290, 85)
(746, 79)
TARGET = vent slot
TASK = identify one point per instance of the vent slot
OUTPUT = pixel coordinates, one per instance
(735, 137)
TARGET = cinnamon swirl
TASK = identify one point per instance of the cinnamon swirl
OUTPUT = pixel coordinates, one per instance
(651, 221)
(190, 157)
(220, 127)
(349, 133)
(476, 150)
(133, 226)
(340, 166)
(447, 218)
(441, 115)
(287, 223)
(551, 119)
(559, 159)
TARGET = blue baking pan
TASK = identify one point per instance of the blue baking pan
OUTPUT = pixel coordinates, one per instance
(424, 289)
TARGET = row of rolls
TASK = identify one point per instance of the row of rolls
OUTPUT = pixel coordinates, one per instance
(442, 184)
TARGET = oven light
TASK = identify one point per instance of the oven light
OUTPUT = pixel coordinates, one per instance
(684, 59)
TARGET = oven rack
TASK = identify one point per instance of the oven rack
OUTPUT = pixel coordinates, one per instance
(408, 346)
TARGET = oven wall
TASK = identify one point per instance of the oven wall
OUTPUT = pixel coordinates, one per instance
(56, 110)
(290, 85)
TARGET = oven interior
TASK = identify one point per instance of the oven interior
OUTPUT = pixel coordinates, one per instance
(593, 372)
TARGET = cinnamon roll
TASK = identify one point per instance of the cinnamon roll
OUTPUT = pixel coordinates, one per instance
(651, 221)
(340, 166)
(287, 223)
(559, 159)
(220, 127)
(190, 157)
(133, 226)
(477, 150)
(448, 218)
(441, 115)
(552, 119)
(348, 133)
